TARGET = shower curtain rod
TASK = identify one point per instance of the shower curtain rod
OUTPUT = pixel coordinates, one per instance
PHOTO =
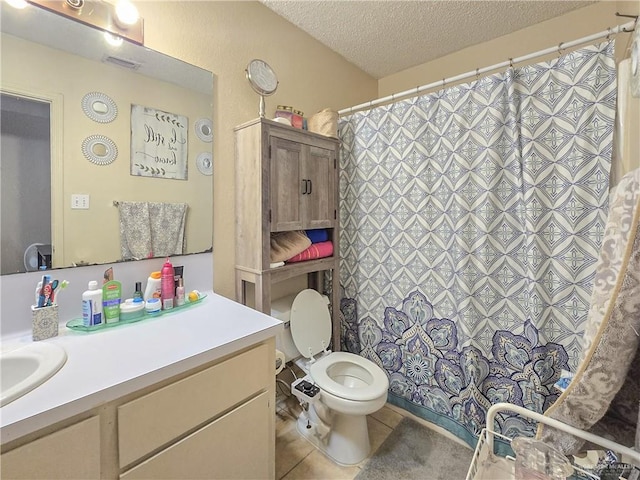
(627, 27)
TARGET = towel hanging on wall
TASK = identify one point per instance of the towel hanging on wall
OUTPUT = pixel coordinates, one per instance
(150, 229)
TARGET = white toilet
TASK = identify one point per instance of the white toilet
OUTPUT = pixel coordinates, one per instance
(351, 387)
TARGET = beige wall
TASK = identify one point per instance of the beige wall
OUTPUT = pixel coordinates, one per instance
(571, 26)
(93, 235)
(223, 37)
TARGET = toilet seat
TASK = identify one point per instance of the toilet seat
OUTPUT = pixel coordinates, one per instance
(378, 383)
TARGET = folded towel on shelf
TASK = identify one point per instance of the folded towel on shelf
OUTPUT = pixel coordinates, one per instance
(316, 250)
(318, 235)
(285, 245)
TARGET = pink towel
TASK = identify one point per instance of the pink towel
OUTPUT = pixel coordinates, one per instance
(317, 250)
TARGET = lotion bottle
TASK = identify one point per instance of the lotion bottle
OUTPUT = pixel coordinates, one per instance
(152, 289)
(92, 305)
(167, 285)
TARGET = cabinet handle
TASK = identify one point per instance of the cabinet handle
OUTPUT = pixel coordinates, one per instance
(310, 187)
(304, 187)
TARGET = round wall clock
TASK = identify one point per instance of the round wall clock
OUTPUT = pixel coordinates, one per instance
(262, 79)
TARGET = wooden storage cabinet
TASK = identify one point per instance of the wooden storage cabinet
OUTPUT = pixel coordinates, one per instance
(302, 186)
(286, 179)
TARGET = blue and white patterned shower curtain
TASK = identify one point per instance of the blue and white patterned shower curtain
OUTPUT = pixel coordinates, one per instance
(471, 222)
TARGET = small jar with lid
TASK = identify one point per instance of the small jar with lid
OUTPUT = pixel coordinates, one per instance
(131, 309)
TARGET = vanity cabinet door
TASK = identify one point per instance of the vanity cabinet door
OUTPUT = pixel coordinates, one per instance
(235, 445)
(70, 453)
(150, 422)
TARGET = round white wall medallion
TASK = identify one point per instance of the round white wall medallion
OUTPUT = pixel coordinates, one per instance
(99, 107)
(204, 162)
(204, 129)
(99, 149)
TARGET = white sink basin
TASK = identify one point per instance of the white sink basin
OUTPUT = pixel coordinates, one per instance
(26, 368)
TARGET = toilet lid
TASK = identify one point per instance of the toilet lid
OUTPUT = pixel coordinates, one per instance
(310, 323)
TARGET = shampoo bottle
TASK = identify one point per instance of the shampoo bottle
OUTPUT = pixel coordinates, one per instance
(167, 285)
(92, 305)
(153, 286)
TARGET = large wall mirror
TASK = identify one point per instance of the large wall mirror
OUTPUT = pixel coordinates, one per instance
(62, 86)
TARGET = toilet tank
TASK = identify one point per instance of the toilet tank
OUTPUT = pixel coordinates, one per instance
(281, 309)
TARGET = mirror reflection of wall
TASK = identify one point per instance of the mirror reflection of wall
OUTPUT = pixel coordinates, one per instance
(41, 66)
(26, 176)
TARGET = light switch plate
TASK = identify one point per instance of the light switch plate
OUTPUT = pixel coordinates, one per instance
(79, 202)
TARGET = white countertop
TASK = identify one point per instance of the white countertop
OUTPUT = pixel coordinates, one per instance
(105, 365)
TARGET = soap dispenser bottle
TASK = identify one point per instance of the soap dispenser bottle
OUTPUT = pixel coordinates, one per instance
(167, 285)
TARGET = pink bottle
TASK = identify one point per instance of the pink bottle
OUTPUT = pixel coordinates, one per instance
(167, 285)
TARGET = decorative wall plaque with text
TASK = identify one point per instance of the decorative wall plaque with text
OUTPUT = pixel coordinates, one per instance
(159, 145)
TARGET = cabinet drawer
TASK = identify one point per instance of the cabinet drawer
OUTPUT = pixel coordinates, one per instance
(234, 446)
(70, 453)
(149, 422)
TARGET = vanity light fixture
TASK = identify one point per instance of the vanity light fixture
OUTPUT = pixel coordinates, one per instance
(121, 20)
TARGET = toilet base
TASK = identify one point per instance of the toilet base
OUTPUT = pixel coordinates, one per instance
(347, 440)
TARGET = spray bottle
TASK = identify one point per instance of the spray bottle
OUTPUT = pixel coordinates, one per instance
(167, 285)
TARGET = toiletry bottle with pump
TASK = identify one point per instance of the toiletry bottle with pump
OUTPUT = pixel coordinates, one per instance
(153, 286)
(180, 293)
(92, 305)
(167, 285)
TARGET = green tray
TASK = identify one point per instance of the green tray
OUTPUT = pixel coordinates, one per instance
(77, 325)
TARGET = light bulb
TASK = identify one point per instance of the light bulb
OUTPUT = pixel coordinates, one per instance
(19, 4)
(113, 40)
(127, 12)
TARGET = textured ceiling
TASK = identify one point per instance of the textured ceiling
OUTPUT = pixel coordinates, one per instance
(386, 37)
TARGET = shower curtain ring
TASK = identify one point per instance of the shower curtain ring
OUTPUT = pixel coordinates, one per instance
(608, 33)
(443, 83)
(510, 62)
(560, 48)
(477, 73)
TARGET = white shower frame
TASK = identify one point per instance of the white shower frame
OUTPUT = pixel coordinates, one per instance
(486, 464)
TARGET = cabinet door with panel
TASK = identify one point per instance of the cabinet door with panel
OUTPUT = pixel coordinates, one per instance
(302, 185)
(319, 198)
(287, 185)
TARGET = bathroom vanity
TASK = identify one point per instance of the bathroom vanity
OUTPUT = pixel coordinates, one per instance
(186, 395)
